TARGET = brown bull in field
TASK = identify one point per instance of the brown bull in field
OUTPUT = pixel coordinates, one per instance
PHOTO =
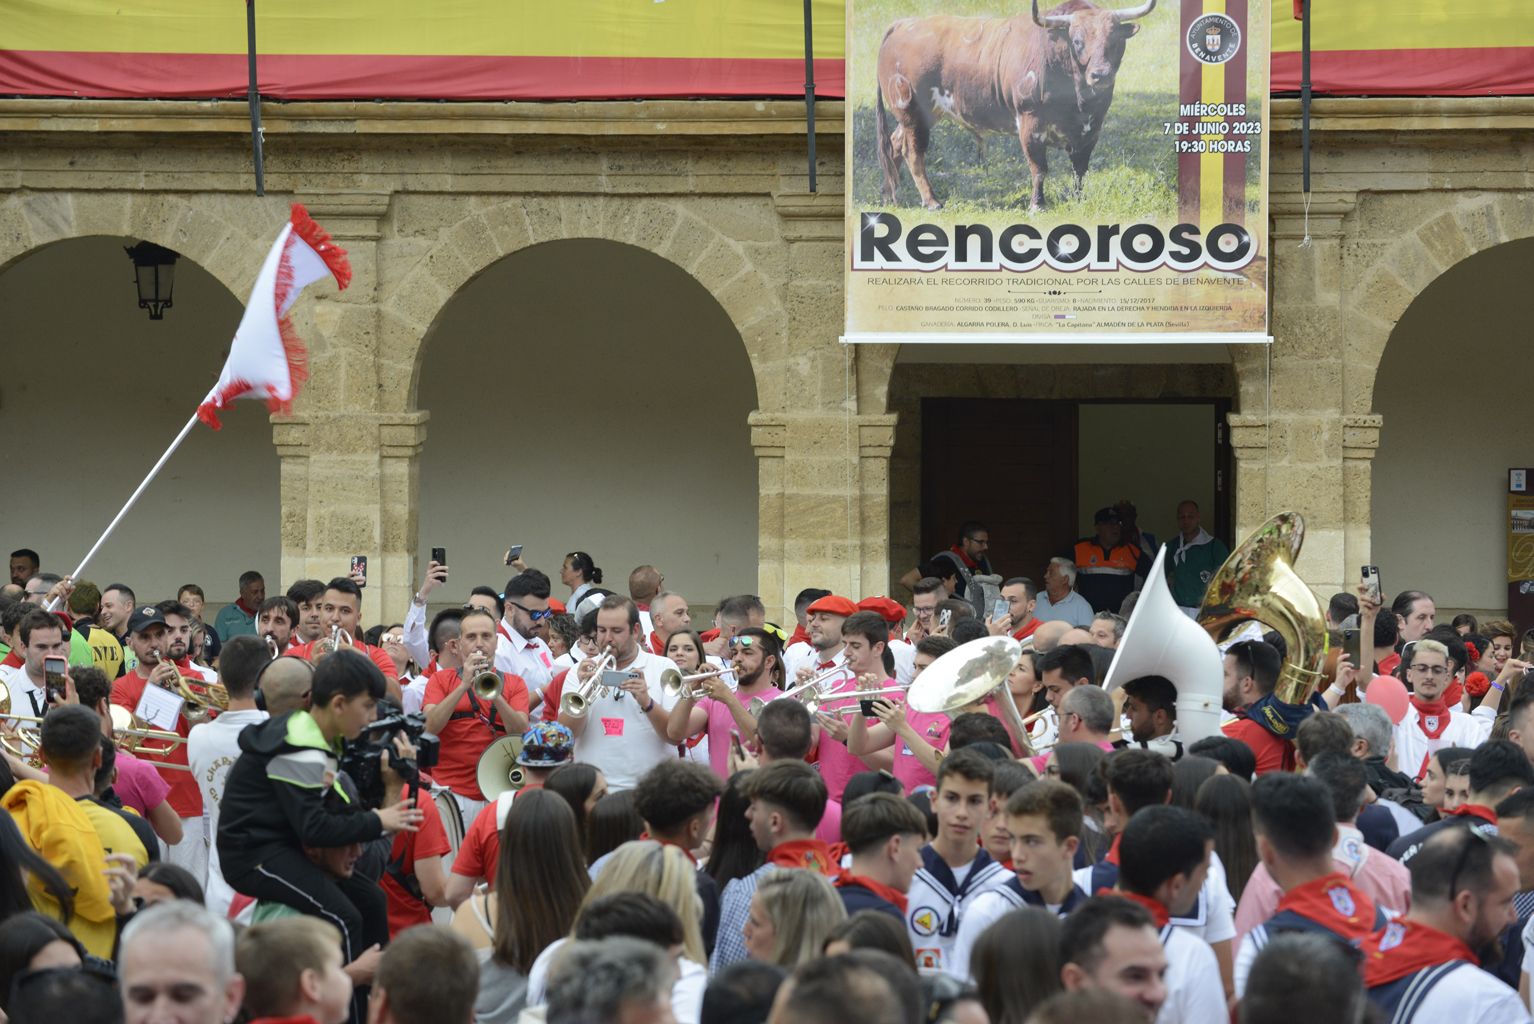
(1049, 78)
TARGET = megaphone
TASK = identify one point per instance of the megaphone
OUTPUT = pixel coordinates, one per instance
(498, 770)
(1161, 640)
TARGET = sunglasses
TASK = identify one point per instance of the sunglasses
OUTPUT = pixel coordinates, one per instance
(535, 616)
(741, 641)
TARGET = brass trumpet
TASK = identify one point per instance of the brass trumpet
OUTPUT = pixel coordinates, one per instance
(487, 682)
(813, 688)
(818, 704)
(337, 639)
(271, 646)
(675, 684)
(24, 741)
(577, 701)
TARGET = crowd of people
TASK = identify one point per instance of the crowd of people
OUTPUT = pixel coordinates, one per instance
(583, 811)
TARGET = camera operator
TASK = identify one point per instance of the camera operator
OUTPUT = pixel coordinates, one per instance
(274, 805)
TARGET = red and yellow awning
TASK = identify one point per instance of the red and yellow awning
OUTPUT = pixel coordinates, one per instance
(444, 49)
(609, 49)
(1409, 48)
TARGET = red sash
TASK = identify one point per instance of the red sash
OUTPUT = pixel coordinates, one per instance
(1158, 913)
(1481, 811)
(1331, 901)
(1437, 710)
(811, 854)
(879, 889)
(1405, 947)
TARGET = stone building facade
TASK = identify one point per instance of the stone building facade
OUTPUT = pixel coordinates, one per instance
(428, 196)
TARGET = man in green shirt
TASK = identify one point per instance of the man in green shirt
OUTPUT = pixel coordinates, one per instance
(1195, 557)
(239, 619)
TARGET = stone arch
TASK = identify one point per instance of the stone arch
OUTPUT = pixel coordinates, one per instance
(708, 247)
(1404, 243)
(227, 236)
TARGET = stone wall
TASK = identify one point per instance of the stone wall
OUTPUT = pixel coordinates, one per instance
(426, 196)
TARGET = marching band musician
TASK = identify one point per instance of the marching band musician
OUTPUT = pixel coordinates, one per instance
(178, 641)
(759, 669)
(918, 738)
(827, 617)
(465, 722)
(341, 608)
(623, 729)
(147, 635)
(521, 650)
(277, 618)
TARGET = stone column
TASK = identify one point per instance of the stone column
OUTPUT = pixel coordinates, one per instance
(1297, 461)
(824, 453)
(1360, 442)
(349, 463)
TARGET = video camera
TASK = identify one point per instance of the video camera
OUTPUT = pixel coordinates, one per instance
(363, 760)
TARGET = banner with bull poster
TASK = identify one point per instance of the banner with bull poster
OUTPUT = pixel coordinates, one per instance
(1092, 170)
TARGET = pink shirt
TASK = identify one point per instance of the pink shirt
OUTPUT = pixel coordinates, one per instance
(721, 724)
(829, 830)
(138, 784)
(1384, 879)
(837, 765)
(932, 726)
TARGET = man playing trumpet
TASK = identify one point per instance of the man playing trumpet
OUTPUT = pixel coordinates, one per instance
(622, 729)
(149, 639)
(724, 713)
(469, 704)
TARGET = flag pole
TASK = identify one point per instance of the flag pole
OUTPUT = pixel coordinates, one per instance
(134, 496)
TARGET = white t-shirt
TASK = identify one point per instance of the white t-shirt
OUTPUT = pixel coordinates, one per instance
(26, 699)
(905, 661)
(1194, 990)
(1472, 995)
(804, 656)
(1413, 746)
(618, 738)
(211, 750)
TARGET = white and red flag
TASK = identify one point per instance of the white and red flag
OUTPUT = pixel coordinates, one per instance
(267, 359)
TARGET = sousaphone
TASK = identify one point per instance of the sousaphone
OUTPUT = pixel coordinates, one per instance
(1258, 583)
(498, 770)
(1160, 640)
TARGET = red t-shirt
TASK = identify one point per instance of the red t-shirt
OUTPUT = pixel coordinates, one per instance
(480, 851)
(465, 739)
(185, 794)
(431, 841)
(380, 657)
(1272, 753)
(552, 695)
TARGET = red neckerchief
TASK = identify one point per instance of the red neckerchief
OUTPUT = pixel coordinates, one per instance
(1113, 851)
(242, 606)
(1331, 901)
(1404, 947)
(656, 647)
(1481, 811)
(186, 668)
(812, 854)
(800, 636)
(1028, 630)
(12, 660)
(643, 606)
(1158, 913)
(879, 889)
(1437, 709)
(969, 563)
(709, 636)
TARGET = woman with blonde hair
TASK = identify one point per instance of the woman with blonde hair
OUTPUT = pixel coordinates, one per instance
(791, 916)
(652, 869)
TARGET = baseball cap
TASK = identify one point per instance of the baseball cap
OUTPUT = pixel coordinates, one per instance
(546, 745)
(1107, 515)
(143, 617)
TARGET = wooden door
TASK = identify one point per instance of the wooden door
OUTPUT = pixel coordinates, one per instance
(1010, 463)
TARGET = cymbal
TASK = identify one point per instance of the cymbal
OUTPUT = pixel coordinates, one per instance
(965, 674)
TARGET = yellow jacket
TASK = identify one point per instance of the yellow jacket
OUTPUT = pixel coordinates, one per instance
(59, 830)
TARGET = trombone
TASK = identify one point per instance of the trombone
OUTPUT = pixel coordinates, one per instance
(577, 701)
(676, 685)
(135, 736)
(818, 704)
